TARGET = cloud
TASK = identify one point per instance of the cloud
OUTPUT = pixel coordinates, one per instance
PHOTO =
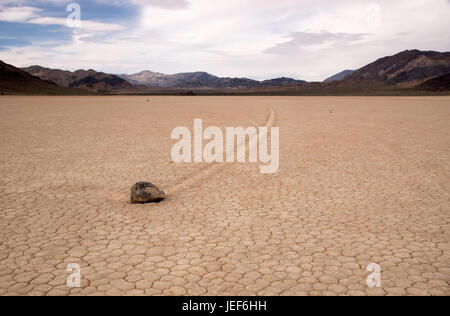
(165, 4)
(33, 15)
(18, 14)
(305, 40)
(86, 26)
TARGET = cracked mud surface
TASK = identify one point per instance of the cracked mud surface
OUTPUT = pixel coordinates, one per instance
(361, 180)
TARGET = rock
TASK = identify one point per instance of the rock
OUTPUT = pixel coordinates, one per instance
(145, 192)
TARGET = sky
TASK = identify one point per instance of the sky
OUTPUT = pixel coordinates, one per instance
(258, 39)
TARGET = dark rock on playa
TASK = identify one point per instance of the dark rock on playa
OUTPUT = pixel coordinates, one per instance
(145, 192)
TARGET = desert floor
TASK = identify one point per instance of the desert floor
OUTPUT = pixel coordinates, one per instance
(361, 180)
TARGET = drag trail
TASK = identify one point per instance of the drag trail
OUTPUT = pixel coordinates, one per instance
(213, 168)
(204, 172)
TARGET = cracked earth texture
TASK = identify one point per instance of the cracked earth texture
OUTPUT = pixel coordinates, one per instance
(361, 180)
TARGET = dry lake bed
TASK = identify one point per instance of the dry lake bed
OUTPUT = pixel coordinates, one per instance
(361, 180)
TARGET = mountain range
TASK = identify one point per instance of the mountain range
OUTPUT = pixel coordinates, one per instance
(88, 80)
(411, 70)
(201, 80)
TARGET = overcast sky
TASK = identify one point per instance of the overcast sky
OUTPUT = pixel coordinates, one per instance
(259, 39)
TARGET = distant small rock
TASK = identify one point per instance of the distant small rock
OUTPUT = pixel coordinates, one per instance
(145, 192)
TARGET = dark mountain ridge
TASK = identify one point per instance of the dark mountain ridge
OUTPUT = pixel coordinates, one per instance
(441, 83)
(15, 80)
(89, 80)
(405, 69)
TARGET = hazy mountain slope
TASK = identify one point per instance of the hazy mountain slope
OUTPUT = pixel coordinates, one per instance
(146, 78)
(339, 76)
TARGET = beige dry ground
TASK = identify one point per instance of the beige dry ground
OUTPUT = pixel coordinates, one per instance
(361, 180)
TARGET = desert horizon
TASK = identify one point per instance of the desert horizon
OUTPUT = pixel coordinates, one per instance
(411, 72)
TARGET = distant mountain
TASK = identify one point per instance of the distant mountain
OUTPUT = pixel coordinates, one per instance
(339, 76)
(89, 80)
(198, 80)
(202, 80)
(146, 78)
(190, 80)
(406, 69)
(15, 80)
(441, 83)
(280, 82)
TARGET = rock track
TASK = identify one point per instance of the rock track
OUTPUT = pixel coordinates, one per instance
(208, 171)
